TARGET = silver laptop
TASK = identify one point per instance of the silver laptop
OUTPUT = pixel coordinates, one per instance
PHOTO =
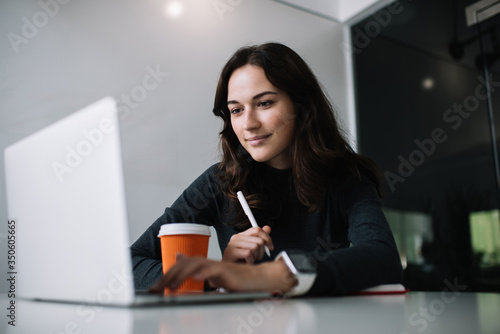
(66, 201)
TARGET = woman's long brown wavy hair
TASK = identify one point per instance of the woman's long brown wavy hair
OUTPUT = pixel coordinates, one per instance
(318, 148)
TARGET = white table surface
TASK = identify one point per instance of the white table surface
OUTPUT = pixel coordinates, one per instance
(415, 312)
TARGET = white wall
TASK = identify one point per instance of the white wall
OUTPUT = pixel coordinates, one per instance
(85, 50)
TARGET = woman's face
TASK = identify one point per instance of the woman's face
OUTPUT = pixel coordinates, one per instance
(262, 116)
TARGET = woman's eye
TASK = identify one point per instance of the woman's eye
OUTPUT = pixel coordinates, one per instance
(265, 103)
(235, 110)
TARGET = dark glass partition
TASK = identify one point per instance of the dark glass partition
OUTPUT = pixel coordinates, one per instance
(423, 117)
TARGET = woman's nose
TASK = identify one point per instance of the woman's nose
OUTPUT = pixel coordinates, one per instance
(251, 119)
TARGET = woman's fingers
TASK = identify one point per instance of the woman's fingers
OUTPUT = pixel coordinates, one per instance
(178, 273)
(198, 268)
(247, 248)
(249, 245)
(263, 233)
(268, 276)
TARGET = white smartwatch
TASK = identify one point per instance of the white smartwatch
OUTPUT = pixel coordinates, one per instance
(302, 268)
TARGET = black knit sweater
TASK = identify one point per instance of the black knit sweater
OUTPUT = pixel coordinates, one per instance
(348, 237)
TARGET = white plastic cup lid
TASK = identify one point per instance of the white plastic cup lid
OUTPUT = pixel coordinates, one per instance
(184, 228)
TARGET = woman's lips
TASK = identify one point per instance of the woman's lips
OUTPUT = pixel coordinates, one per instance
(257, 140)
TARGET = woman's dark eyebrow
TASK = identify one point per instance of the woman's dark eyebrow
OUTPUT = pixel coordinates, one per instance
(255, 97)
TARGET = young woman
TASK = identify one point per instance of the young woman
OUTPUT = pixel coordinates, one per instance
(312, 195)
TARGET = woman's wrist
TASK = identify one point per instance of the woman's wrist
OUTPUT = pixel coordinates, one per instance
(278, 276)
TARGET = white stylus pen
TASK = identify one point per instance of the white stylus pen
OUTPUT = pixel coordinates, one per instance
(249, 213)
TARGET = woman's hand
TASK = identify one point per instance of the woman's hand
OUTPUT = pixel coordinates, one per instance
(248, 246)
(268, 276)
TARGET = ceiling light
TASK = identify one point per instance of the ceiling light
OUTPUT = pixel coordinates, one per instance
(174, 9)
(428, 83)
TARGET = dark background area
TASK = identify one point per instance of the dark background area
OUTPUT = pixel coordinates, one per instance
(423, 119)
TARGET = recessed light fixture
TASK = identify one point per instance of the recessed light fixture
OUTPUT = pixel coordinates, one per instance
(428, 83)
(174, 9)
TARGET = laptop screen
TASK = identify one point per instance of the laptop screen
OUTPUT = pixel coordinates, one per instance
(65, 193)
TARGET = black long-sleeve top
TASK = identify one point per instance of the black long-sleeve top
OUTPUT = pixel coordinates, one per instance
(348, 237)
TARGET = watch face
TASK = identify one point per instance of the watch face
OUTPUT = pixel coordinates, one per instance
(303, 263)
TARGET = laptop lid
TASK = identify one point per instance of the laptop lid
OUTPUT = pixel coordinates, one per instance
(66, 201)
(65, 194)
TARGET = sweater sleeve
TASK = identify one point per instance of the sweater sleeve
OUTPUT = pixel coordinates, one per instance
(372, 259)
(197, 204)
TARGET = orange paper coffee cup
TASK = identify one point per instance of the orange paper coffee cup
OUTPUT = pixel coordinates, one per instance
(188, 239)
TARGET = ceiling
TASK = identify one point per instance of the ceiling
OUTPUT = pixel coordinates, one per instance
(336, 10)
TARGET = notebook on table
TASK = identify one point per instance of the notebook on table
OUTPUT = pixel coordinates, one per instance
(384, 289)
(66, 201)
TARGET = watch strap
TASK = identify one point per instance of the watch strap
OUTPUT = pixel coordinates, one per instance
(305, 281)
